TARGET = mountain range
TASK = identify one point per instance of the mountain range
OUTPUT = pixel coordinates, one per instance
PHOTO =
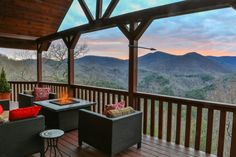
(190, 75)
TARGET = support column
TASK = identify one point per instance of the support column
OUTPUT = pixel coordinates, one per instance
(70, 71)
(133, 33)
(70, 42)
(39, 64)
(133, 70)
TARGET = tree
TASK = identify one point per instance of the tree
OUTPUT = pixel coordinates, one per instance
(56, 57)
(4, 85)
(26, 59)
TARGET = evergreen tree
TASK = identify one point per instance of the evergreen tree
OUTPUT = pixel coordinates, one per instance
(4, 85)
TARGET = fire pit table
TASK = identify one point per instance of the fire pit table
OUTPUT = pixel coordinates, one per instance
(63, 114)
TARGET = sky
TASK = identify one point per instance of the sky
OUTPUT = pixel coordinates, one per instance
(208, 33)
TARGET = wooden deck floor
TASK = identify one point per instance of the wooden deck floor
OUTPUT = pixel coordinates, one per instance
(150, 148)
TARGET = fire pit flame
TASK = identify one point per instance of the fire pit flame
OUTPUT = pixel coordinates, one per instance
(64, 99)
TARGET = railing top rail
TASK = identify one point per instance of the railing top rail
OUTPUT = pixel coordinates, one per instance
(188, 101)
(54, 83)
(23, 82)
(102, 89)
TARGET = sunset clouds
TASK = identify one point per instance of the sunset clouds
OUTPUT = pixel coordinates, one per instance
(208, 33)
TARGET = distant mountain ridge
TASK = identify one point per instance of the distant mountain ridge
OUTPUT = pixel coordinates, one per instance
(191, 75)
(164, 62)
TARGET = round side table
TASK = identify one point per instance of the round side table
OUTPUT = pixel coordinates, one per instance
(51, 137)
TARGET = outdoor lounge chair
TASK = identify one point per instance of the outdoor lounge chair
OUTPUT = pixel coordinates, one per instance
(21, 138)
(26, 100)
(5, 104)
(110, 135)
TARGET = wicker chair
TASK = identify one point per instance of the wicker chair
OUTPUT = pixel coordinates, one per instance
(110, 135)
(21, 138)
(5, 104)
(26, 100)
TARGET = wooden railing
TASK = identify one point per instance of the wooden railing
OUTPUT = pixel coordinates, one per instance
(201, 125)
(179, 119)
(19, 87)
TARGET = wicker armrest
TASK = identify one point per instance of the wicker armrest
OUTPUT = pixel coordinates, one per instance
(25, 100)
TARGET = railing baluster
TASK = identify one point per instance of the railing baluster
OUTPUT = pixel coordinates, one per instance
(108, 99)
(160, 121)
(103, 101)
(99, 102)
(94, 99)
(233, 139)
(169, 122)
(87, 94)
(209, 130)
(178, 124)
(188, 126)
(18, 91)
(145, 116)
(152, 117)
(15, 92)
(220, 149)
(138, 103)
(198, 128)
(113, 98)
(119, 97)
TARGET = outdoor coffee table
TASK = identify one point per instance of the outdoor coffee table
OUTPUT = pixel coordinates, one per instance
(51, 137)
(64, 117)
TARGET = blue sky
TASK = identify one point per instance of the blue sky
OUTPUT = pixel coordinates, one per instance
(208, 33)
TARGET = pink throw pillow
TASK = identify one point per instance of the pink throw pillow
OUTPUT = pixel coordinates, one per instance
(41, 94)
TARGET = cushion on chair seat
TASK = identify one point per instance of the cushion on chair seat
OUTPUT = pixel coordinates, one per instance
(1, 109)
(4, 117)
(23, 113)
(119, 112)
(118, 105)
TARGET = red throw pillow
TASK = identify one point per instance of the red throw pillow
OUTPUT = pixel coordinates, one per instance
(1, 109)
(118, 105)
(41, 94)
(23, 113)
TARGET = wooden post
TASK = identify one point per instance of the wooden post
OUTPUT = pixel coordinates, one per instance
(39, 64)
(133, 34)
(70, 71)
(70, 42)
(133, 63)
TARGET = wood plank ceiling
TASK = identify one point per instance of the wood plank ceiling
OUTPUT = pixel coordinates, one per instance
(22, 21)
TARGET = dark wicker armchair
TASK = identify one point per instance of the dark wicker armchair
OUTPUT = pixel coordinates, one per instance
(5, 104)
(21, 138)
(26, 100)
(111, 135)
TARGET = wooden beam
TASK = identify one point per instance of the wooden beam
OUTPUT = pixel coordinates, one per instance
(86, 10)
(125, 30)
(110, 8)
(234, 5)
(99, 9)
(18, 43)
(71, 41)
(142, 28)
(170, 10)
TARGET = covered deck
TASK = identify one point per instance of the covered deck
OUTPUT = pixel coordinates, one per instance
(151, 147)
(167, 121)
